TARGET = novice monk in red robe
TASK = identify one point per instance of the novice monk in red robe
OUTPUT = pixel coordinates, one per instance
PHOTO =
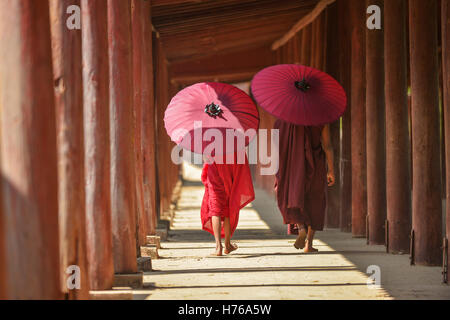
(228, 188)
(305, 169)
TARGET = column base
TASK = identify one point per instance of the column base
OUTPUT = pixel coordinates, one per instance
(133, 280)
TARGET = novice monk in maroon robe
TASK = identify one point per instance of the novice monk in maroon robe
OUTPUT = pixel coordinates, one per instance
(228, 188)
(305, 169)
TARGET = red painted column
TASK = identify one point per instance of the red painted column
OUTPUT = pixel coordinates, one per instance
(148, 123)
(398, 150)
(67, 77)
(160, 131)
(137, 18)
(123, 198)
(29, 186)
(345, 174)
(426, 197)
(306, 45)
(375, 132)
(358, 130)
(96, 143)
(332, 68)
(445, 12)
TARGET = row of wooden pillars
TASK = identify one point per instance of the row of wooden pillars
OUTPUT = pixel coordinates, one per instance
(83, 178)
(387, 158)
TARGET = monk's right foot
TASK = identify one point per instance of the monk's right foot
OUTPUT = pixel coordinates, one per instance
(310, 249)
(301, 239)
(217, 252)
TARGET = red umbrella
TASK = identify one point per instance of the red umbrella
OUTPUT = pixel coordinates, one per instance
(210, 105)
(299, 94)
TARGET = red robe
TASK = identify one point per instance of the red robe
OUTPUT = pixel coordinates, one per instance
(301, 180)
(228, 188)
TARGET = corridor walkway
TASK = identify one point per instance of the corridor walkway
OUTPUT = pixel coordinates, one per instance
(266, 266)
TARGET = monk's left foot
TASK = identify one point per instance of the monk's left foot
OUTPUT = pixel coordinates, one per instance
(230, 248)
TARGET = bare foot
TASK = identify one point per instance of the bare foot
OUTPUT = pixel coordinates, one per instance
(300, 241)
(230, 248)
(217, 252)
(310, 249)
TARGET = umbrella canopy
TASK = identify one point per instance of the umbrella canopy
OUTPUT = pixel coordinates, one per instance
(196, 109)
(299, 94)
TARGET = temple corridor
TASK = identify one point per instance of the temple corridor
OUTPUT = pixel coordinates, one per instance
(266, 266)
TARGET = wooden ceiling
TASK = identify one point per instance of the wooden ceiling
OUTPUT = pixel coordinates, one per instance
(194, 29)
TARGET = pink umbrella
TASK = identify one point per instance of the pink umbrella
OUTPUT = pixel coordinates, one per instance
(299, 94)
(211, 105)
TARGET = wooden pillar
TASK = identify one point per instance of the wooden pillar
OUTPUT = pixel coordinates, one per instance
(445, 18)
(96, 143)
(332, 68)
(306, 45)
(358, 131)
(67, 77)
(445, 12)
(345, 174)
(398, 159)
(297, 47)
(319, 42)
(375, 132)
(160, 133)
(29, 203)
(426, 197)
(148, 123)
(137, 18)
(123, 200)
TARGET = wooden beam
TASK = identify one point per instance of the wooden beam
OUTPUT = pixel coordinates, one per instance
(303, 22)
(159, 3)
(217, 77)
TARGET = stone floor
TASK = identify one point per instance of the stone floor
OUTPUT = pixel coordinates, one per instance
(267, 266)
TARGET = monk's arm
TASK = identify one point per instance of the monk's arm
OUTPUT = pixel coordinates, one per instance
(328, 148)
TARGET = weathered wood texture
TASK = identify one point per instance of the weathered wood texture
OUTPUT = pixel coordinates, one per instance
(204, 28)
(67, 79)
(398, 149)
(223, 67)
(445, 18)
(426, 196)
(96, 143)
(148, 123)
(375, 131)
(29, 203)
(306, 45)
(311, 17)
(123, 197)
(345, 174)
(332, 68)
(167, 171)
(137, 18)
(358, 121)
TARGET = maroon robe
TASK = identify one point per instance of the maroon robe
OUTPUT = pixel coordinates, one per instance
(301, 180)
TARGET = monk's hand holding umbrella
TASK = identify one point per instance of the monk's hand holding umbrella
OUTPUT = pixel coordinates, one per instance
(211, 110)
(304, 100)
